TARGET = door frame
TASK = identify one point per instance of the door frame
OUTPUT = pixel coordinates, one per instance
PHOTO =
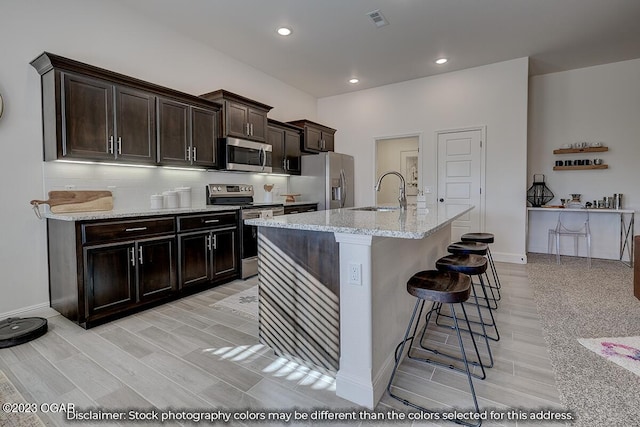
(375, 158)
(483, 161)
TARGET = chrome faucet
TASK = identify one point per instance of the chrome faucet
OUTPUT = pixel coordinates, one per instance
(402, 199)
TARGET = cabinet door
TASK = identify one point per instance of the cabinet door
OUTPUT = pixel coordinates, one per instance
(109, 278)
(312, 137)
(237, 119)
(204, 137)
(292, 152)
(87, 126)
(135, 125)
(258, 124)
(195, 258)
(173, 128)
(327, 137)
(276, 138)
(156, 260)
(224, 253)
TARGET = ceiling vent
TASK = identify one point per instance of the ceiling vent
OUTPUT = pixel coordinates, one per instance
(377, 18)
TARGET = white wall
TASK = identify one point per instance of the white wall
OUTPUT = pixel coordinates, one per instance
(600, 103)
(98, 33)
(494, 96)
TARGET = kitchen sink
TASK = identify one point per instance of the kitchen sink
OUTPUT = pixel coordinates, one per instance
(377, 209)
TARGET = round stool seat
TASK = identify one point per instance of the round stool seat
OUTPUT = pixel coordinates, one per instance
(467, 264)
(466, 248)
(478, 237)
(440, 286)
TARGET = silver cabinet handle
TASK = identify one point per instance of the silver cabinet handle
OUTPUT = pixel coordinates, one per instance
(284, 164)
(135, 229)
(119, 145)
(195, 157)
(111, 144)
(189, 153)
(211, 221)
(292, 212)
(209, 242)
(215, 241)
(140, 254)
(247, 131)
(133, 256)
(251, 127)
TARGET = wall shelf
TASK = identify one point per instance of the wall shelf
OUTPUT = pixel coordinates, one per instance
(583, 167)
(580, 150)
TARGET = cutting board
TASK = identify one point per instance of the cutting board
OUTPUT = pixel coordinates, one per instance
(77, 201)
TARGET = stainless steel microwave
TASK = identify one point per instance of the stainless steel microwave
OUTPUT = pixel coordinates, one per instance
(248, 156)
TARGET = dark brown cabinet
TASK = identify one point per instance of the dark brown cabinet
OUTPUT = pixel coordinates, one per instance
(285, 140)
(208, 247)
(294, 209)
(241, 117)
(103, 121)
(90, 113)
(119, 276)
(316, 137)
(102, 269)
(187, 135)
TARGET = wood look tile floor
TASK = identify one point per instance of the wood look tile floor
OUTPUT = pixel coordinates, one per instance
(188, 355)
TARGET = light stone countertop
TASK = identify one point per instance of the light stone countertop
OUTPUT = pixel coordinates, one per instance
(412, 224)
(129, 213)
(132, 213)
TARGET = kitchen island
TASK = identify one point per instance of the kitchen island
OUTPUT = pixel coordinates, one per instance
(332, 287)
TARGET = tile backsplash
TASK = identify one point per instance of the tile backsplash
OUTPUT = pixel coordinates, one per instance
(132, 187)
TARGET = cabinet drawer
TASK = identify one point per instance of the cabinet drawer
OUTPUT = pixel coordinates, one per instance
(300, 209)
(125, 230)
(204, 221)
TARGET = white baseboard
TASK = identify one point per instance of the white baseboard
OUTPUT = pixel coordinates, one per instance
(38, 310)
(509, 257)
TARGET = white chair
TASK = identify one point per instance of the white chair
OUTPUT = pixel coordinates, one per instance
(576, 225)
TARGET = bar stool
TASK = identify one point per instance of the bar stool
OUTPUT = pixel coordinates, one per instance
(473, 265)
(475, 248)
(440, 288)
(487, 238)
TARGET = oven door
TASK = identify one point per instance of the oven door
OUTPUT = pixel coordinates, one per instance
(248, 156)
(249, 250)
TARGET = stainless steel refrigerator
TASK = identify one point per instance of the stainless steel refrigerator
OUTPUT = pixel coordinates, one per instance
(326, 178)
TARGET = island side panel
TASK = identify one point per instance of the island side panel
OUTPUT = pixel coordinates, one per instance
(374, 314)
(299, 292)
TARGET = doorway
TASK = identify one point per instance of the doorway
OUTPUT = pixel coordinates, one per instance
(461, 176)
(400, 154)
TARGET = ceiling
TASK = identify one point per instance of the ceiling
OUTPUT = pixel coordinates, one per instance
(334, 40)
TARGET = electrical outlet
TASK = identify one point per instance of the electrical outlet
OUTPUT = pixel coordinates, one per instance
(428, 190)
(70, 187)
(355, 274)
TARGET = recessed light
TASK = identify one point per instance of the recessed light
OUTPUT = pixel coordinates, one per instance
(441, 61)
(353, 81)
(284, 31)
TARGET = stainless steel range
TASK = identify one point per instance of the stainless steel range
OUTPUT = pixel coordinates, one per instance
(242, 195)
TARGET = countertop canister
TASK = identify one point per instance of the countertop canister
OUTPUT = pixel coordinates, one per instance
(617, 201)
(157, 201)
(184, 196)
(170, 199)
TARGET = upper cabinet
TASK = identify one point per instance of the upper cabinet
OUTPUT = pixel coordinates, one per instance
(242, 117)
(187, 135)
(285, 140)
(94, 114)
(316, 137)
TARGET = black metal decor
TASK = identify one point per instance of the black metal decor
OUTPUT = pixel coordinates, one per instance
(539, 194)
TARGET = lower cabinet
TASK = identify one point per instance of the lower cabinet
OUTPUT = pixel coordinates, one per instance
(100, 270)
(207, 256)
(119, 276)
(208, 248)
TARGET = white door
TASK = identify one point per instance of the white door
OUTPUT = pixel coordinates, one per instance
(460, 177)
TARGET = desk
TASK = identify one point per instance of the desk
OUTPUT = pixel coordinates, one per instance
(626, 216)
